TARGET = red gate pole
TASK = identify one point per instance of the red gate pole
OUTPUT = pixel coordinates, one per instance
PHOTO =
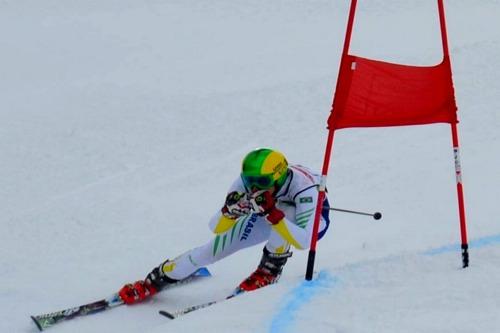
(456, 148)
(328, 152)
(442, 23)
(319, 206)
(460, 194)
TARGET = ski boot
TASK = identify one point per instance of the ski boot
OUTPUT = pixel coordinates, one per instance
(155, 281)
(268, 271)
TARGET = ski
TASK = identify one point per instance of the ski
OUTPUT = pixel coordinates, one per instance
(189, 309)
(44, 321)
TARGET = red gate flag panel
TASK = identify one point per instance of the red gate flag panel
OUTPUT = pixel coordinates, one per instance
(374, 93)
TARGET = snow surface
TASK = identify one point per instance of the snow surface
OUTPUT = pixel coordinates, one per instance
(123, 122)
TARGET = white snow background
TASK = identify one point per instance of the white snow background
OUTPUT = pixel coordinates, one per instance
(123, 123)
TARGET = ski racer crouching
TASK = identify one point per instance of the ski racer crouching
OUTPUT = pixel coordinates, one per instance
(270, 202)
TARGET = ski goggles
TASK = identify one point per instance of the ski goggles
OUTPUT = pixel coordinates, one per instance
(262, 182)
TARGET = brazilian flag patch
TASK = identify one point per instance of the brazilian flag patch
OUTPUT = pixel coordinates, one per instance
(306, 200)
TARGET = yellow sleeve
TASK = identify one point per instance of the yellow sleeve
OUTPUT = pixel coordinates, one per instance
(283, 229)
(224, 224)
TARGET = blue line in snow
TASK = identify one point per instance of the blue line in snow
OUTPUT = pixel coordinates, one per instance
(299, 297)
(480, 242)
(307, 290)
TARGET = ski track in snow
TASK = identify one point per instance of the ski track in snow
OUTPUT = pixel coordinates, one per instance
(300, 297)
(325, 282)
(474, 244)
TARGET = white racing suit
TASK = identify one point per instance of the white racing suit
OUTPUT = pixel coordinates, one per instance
(297, 198)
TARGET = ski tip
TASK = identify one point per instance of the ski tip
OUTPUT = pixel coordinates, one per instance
(166, 314)
(37, 323)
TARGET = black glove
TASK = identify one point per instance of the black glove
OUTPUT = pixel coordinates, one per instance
(264, 204)
(236, 205)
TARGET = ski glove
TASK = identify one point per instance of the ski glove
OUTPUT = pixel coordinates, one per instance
(263, 203)
(137, 292)
(236, 205)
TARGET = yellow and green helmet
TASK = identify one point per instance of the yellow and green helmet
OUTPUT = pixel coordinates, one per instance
(264, 168)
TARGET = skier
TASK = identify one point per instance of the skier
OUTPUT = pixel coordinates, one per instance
(270, 202)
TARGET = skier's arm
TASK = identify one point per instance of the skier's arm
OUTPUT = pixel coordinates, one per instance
(235, 206)
(305, 208)
(297, 234)
(219, 224)
(292, 234)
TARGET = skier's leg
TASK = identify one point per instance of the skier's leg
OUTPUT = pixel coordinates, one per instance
(275, 255)
(248, 231)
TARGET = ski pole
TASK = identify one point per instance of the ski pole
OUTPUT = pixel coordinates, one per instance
(376, 215)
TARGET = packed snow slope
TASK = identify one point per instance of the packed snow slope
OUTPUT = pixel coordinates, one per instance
(123, 122)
